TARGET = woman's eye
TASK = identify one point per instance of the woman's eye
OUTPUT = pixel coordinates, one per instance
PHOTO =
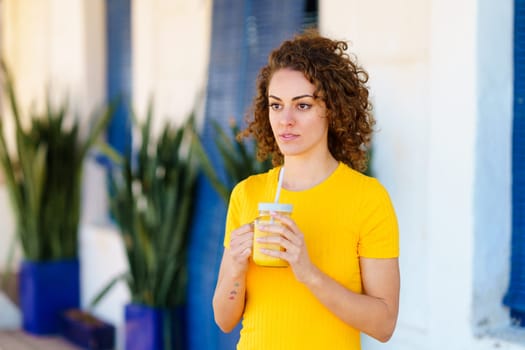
(304, 106)
(275, 106)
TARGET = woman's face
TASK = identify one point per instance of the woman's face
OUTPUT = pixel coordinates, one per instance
(297, 118)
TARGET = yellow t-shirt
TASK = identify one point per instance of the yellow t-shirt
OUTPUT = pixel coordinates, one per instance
(347, 216)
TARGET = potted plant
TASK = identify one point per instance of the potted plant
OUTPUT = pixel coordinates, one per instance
(239, 158)
(43, 177)
(151, 199)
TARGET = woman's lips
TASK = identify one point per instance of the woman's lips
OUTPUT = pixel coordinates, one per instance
(288, 137)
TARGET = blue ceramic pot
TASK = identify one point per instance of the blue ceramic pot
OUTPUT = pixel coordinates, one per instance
(46, 290)
(150, 328)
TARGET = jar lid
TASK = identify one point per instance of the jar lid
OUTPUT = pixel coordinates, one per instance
(287, 208)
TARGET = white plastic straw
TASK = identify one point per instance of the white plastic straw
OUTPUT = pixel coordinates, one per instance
(279, 185)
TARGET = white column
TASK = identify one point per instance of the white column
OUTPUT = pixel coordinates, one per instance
(171, 41)
(450, 215)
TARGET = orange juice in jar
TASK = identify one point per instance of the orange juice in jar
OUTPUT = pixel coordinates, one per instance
(265, 218)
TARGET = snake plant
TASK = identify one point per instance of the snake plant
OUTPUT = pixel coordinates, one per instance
(151, 201)
(43, 175)
(238, 157)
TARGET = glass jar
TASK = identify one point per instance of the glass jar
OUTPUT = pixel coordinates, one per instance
(265, 218)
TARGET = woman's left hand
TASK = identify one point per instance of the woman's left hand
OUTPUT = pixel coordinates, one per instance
(289, 236)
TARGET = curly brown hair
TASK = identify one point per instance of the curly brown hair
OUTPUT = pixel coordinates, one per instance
(339, 81)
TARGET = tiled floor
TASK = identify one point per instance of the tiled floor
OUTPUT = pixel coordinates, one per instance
(18, 340)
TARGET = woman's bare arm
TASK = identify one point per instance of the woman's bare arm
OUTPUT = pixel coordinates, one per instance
(230, 292)
(375, 311)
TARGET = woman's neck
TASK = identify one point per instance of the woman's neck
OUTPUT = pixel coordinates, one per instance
(302, 174)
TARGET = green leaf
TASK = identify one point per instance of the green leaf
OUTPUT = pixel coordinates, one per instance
(107, 288)
(208, 169)
(238, 158)
(10, 176)
(97, 130)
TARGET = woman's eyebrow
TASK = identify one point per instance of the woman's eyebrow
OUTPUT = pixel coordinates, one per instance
(293, 98)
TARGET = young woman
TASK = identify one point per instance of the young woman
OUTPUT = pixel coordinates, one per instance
(313, 117)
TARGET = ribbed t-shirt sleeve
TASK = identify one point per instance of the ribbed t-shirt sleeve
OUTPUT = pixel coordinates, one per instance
(378, 233)
(233, 215)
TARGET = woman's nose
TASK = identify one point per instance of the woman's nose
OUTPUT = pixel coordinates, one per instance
(287, 117)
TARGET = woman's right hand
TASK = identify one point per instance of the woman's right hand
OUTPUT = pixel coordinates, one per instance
(241, 245)
(230, 292)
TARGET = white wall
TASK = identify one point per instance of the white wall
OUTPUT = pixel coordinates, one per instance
(441, 85)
